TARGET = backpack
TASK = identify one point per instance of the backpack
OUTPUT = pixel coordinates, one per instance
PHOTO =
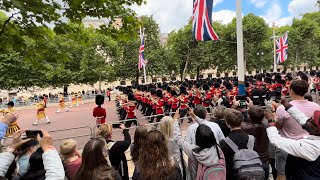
(246, 162)
(215, 172)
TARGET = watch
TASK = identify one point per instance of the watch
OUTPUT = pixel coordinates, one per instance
(271, 120)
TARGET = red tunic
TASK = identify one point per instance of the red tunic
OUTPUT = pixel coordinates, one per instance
(175, 103)
(275, 86)
(159, 106)
(100, 112)
(183, 102)
(207, 100)
(169, 97)
(197, 99)
(130, 111)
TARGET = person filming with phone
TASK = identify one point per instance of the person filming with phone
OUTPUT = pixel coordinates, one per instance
(116, 148)
(45, 162)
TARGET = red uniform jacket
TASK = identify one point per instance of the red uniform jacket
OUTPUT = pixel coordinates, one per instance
(197, 99)
(275, 86)
(100, 112)
(174, 103)
(130, 112)
(184, 101)
(159, 106)
(207, 99)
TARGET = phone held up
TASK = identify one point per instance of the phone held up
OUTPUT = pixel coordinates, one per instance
(32, 134)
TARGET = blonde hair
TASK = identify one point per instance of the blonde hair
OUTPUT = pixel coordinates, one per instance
(219, 112)
(105, 130)
(68, 147)
(166, 127)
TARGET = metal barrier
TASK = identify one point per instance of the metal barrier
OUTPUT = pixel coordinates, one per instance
(81, 137)
(115, 122)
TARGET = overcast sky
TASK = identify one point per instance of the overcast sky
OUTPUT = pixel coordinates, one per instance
(174, 14)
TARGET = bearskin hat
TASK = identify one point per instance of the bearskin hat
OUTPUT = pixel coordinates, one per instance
(99, 100)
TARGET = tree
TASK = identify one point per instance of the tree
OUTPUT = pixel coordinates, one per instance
(31, 14)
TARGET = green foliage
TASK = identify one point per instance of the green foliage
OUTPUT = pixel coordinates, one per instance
(304, 43)
(34, 13)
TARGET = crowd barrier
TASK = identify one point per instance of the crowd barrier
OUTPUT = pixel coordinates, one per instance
(33, 101)
(58, 136)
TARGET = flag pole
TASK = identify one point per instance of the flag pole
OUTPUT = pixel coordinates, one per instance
(274, 48)
(240, 58)
(144, 67)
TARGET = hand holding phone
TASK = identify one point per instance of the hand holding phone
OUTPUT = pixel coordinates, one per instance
(116, 125)
(32, 134)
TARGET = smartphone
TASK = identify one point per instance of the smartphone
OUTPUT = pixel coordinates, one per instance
(32, 134)
(116, 125)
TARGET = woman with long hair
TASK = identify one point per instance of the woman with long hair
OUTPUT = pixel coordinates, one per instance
(154, 162)
(166, 128)
(94, 163)
(139, 136)
(116, 149)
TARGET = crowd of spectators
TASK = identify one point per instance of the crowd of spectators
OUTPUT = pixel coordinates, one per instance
(278, 136)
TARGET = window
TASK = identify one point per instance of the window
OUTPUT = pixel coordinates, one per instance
(257, 71)
(154, 80)
(218, 74)
(201, 76)
(249, 72)
(271, 70)
(234, 73)
(122, 83)
(278, 70)
(164, 79)
(209, 75)
(226, 74)
(142, 81)
(173, 78)
(192, 77)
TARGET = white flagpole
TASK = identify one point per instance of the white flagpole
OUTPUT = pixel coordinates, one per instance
(144, 66)
(240, 56)
(274, 49)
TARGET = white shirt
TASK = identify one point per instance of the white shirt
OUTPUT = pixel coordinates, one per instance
(215, 128)
(306, 148)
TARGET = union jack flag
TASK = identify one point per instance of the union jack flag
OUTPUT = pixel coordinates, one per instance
(141, 55)
(202, 21)
(282, 48)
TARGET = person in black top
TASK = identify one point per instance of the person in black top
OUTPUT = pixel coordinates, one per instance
(257, 128)
(233, 119)
(219, 119)
(116, 148)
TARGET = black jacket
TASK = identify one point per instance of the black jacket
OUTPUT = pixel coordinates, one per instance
(240, 138)
(301, 169)
(117, 156)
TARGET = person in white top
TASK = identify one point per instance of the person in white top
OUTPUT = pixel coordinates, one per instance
(201, 112)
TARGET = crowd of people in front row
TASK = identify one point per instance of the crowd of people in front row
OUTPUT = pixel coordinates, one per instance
(234, 144)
